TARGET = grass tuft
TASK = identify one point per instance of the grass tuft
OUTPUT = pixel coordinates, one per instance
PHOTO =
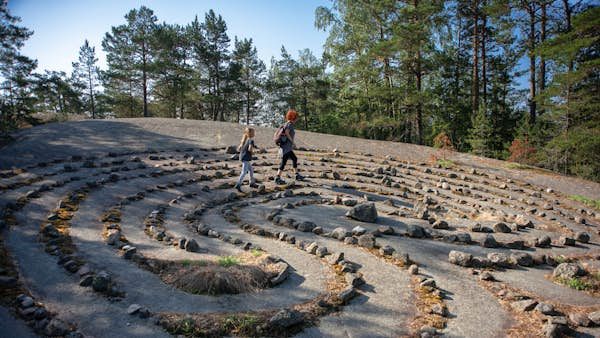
(227, 261)
(513, 165)
(576, 283)
(592, 203)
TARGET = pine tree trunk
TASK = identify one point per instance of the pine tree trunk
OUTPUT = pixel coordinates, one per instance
(91, 93)
(483, 61)
(532, 106)
(542, 75)
(418, 78)
(475, 88)
(145, 78)
(568, 98)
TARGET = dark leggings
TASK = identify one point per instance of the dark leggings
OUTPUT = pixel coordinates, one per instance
(285, 158)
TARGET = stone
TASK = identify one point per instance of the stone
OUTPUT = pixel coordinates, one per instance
(231, 150)
(283, 273)
(86, 281)
(440, 224)
(554, 330)
(416, 231)
(524, 305)
(522, 221)
(358, 230)
(595, 317)
(582, 237)
(312, 248)
(501, 227)
(345, 295)
(386, 230)
(367, 241)
(402, 256)
(27, 302)
(499, 259)
(460, 258)
(101, 281)
(350, 240)
(489, 242)
(133, 309)
(545, 308)
(40, 313)
(354, 279)
(365, 212)
(515, 244)
(543, 242)
(463, 238)
(340, 233)
(56, 327)
(386, 250)
(286, 318)
(317, 231)
(486, 276)
(568, 271)
(8, 282)
(306, 226)
(522, 259)
(113, 236)
(429, 282)
(566, 241)
(439, 309)
(336, 258)
(129, 251)
(321, 252)
(580, 319)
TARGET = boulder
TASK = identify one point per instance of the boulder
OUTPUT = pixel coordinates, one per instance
(413, 269)
(306, 226)
(350, 240)
(501, 227)
(595, 317)
(101, 281)
(460, 258)
(440, 224)
(386, 250)
(335, 258)
(56, 327)
(543, 242)
(416, 231)
(354, 279)
(582, 237)
(286, 318)
(489, 242)
(386, 230)
(545, 308)
(367, 241)
(568, 270)
(524, 305)
(566, 241)
(499, 259)
(580, 319)
(365, 212)
(282, 274)
(522, 259)
(346, 294)
(358, 230)
(340, 233)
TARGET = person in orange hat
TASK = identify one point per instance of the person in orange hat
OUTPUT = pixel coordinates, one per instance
(287, 147)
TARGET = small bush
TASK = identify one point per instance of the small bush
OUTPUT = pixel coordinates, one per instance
(576, 283)
(443, 142)
(521, 151)
(228, 261)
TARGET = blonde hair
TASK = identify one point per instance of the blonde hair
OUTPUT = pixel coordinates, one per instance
(247, 132)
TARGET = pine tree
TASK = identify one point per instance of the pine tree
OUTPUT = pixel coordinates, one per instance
(251, 70)
(86, 72)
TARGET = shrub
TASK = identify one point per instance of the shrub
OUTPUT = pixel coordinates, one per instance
(521, 151)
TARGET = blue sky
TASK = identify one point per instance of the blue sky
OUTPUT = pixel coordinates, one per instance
(61, 26)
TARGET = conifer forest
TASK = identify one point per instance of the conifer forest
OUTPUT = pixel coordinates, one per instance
(508, 79)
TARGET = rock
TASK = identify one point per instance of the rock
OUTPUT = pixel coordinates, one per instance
(499, 259)
(386, 250)
(283, 273)
(133, 309)
(501, 227)
(420, 210)
(439, 309)
(321, 252)
(129, 251)
(582, 237)
(306, 226)
(286, 318)
(40, 313)
(522, 259)
(358, 230)
(231, 150)
(429, 282)
(543, 242)
(312, 248)
(350, 240)
(402, 256)
(524, 305)
(365, 212)
(317, 231)
(579, 319)
(340, 233)
(27, 302)
(595, 317)
(191, 245)
(568, 270)
(489, 242)
(413, 269)
(354, 279)
(486, 276)
(346, 294)
(545, 308)
(416, 231)
(56, 327)
(101, 281)
(515, 244)
(460, 258)
(113, 236)
(558, 320)
(440, 224)
(86, 281)
(335, 258)
(566, 241)
(522, 221)
(8, 282)
(367, 241)
(386, 230)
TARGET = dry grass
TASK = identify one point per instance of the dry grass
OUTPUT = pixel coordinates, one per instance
(425, 299)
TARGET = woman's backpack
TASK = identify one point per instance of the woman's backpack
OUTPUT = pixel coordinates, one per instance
(279, 137)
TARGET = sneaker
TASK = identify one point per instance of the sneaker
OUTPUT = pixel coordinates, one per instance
(238, 188)
(278, 180)
(253, 185)
(299, 177)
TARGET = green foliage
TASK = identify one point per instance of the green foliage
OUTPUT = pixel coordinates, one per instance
(189, 262)
(243, 324)
(592, 203)
(227, 261)
(576, 283)
(256, 253)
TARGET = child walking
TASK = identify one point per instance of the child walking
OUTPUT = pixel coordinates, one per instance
(246, 148)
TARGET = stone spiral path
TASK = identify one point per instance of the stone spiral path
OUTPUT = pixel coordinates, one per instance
(453, 251)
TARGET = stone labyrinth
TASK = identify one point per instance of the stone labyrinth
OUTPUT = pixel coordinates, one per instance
(157, 242)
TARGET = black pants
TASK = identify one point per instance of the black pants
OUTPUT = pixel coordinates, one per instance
(285, 158)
